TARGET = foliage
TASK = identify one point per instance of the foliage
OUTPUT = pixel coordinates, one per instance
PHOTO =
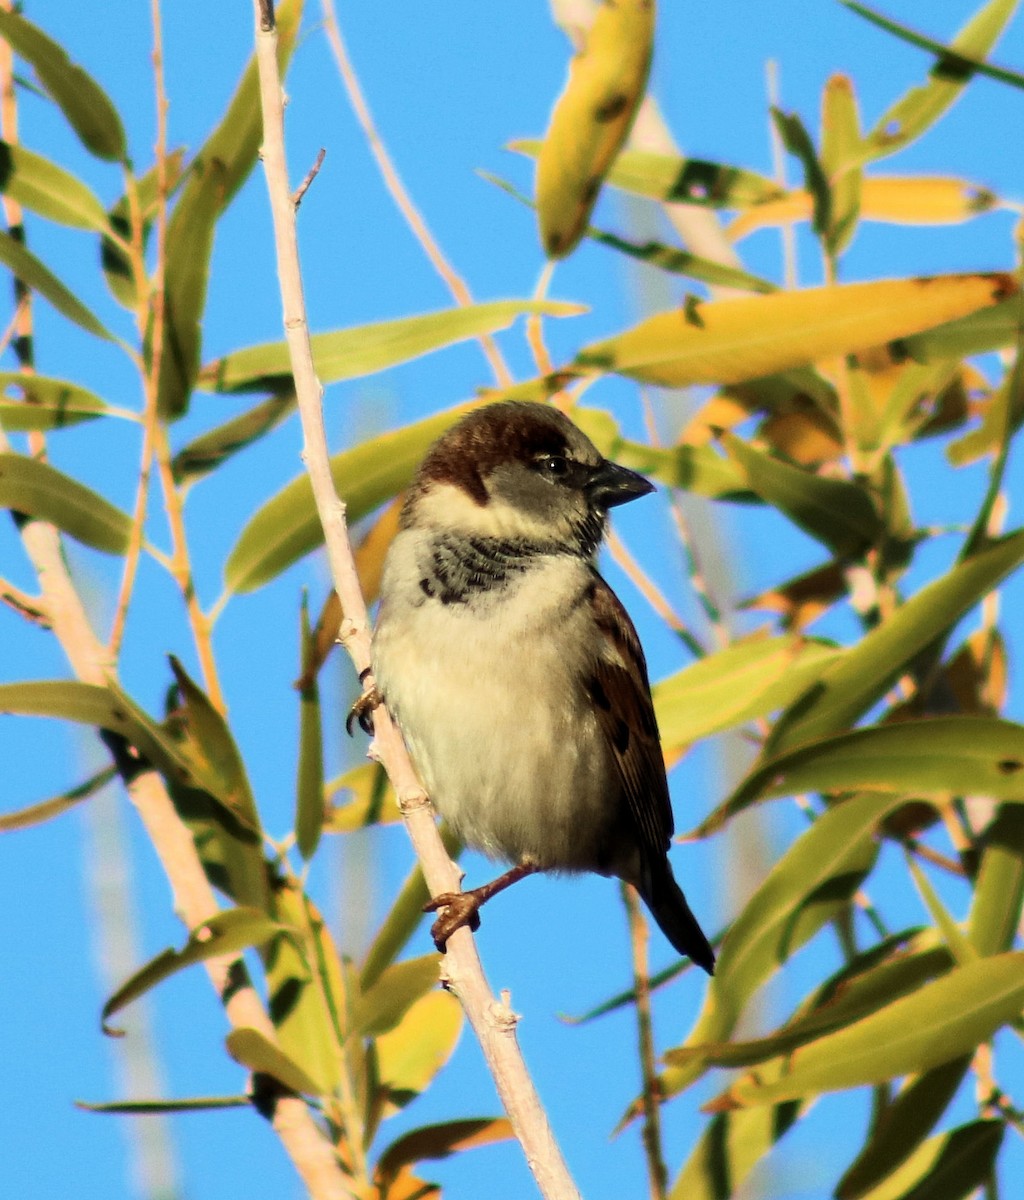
(810, 399)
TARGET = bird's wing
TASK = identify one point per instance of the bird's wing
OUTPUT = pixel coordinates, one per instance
(621, 693)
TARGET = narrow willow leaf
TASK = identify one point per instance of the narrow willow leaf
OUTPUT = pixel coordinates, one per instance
(999, 890)
(87, 107)
(287, 527)
(922, 106)
(34, 274)
(24, 818)
(949, 1166)
(671, 179)
(894, 199)
(730, 1147)
(309, 788)
(49, 190)
(41, 491)
(729, 341)
(216, 173)
(959, 945)
(142, 1108)
(49, 404)
(838, 512)
(365, 349)
(383, 1005)
(798, 142)
(118, 269)
(954, 56)
(254, 1051)
(990, 329)
(373, 800)
(936, 1024)
(306, 996)
(591, 120)
(902, 1127)
(441, 1141)
(403, 918)
(655, 254)
(866, 671)
(751, 678)
(411, 1054)
(226, 774)
(840, 155)
(208, 451)
(228, 933)
(933, 755)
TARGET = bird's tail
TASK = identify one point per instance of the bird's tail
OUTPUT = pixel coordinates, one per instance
(664, 897)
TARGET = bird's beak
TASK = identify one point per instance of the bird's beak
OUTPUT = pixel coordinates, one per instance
(611, 484)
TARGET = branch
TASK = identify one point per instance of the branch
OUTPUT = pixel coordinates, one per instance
(492, 1021)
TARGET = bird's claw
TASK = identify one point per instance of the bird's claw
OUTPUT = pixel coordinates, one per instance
(362, 711)
(460, 908)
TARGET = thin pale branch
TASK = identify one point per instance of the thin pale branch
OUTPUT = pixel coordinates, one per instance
(493, 1022)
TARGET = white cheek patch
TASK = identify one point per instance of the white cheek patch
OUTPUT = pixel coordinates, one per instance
(452, 508)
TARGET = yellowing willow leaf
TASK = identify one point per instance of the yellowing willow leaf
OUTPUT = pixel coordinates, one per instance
(49, 190)
(34, 274)
(939, 1022)
(48, 403)
(39, 490)
(591, 120)
(258, 1054)
(728, 341)
(896, 199)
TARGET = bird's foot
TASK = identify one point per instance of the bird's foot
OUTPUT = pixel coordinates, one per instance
(362, 711)
(459, 908)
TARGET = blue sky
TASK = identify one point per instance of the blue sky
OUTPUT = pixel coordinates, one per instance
(449, 87)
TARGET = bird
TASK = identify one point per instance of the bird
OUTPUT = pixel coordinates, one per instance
(514, 672)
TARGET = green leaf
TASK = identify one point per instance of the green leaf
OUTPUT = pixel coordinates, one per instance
(730, 1147)
(49, 404)
(840, 154)
(944, 756)
(990, 329)
(306, 991)
(206, 452)
(922, 106)
(655, 254)
(41, 491)
(34, 274)
(751, 678)
(951, 56)
(225, 773)
(735, 340)
(671, 179)
(798, 142)
(441, 1141)
(116, 262)
(865, 672)
(364, 349)
(49, 190)
(383, 1005)
(87, 107)
(47, 809)
(837, 512)
(936, 1024)
(999, 890)
(309, 789)
(949, 1166)
(287, 527)
(216, 173)
(145, 1107)
(902, 1127)
(959, 945)
(254, 1051)
(228, 932)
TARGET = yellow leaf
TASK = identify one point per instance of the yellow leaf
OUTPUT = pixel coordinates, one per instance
(728, 341)
(409, 1056)
(592, 119)
(900, 200)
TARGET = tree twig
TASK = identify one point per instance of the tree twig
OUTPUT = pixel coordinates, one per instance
(492, 1021)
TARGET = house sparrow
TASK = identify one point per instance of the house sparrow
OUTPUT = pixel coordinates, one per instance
(513, 670)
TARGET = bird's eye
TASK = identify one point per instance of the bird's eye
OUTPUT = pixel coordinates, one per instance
(553, 465)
